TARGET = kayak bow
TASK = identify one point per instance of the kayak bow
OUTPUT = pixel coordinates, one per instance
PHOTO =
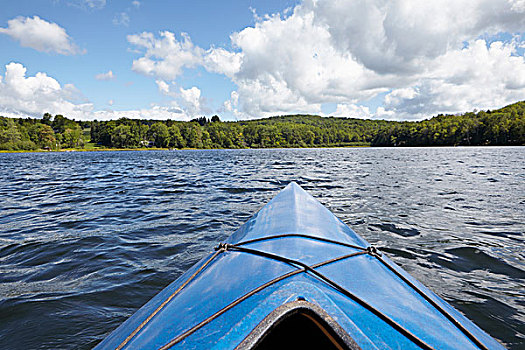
(295, 275)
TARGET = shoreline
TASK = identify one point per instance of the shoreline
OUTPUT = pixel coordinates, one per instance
(162, 149)
(216, 149)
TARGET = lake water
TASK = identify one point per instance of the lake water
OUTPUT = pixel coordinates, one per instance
(86, 238)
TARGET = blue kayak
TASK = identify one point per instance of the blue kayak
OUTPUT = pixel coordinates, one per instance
(295, 276)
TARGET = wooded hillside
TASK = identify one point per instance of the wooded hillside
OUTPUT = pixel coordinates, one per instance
(505, 126)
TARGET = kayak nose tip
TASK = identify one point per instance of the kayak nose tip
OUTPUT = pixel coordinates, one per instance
(294, 185)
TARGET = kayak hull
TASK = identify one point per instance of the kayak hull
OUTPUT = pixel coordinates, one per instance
(294, 254)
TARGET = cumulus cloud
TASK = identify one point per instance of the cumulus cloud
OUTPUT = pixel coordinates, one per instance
(289, 65)
(219, 60)
(426, 58)
(164, 57)
(231, 104)
(105, 76)
(479, 76)
(164, 87)
(349, 51)
(402, 35)
(190, 100)
(154, 112)
(32, 96)
(40, 35)
(23, 96)
(351, 110)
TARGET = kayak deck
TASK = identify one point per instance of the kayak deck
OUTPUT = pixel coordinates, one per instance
(295, 259)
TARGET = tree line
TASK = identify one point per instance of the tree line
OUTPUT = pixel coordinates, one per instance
(286, 131)
(48, 133)
(505, 126)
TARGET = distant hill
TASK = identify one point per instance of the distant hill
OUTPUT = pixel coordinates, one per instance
(505, 126)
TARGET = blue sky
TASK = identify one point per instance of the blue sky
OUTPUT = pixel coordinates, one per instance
(93, 29)
(245, 59)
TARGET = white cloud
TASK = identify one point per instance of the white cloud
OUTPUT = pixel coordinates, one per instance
(192, 100)
(88, 4)
(154, 112)
(478, 76)
(352, 111)
(231, 104)
(425, 55)
(35, 95)
(23, 96)
(348, 51)
(401, 35)
(219, 60)
(382, 113)
(289, 66)
(105, 76)
(121, 19)
(40, 35)
(164, 58)
(163, 87)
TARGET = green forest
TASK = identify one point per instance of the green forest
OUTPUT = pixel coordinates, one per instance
(505, 126)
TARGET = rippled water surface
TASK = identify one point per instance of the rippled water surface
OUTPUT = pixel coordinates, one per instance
(87, 238)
